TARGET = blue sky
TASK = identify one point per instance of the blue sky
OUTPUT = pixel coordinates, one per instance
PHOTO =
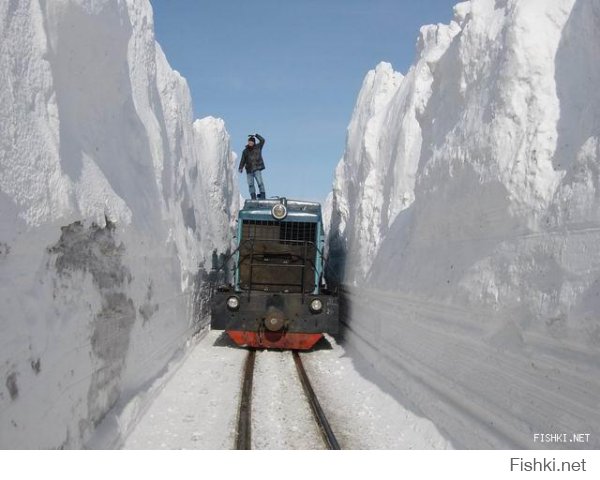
(289, 70)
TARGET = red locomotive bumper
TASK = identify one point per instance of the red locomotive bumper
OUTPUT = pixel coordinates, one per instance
(282, 340)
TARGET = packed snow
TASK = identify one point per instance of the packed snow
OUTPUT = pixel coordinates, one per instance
(358, 405)
(465, 224)
(281, 415)
(196, 404)
(113, 204)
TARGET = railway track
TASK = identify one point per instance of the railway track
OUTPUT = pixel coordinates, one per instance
(243, 437)
(244, 426)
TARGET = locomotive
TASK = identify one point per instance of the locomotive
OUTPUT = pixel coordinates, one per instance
(277, 296)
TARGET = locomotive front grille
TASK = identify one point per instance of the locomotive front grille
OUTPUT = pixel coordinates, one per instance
(278, 256)
(285, 232)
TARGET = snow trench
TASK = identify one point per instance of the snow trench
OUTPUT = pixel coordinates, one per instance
(114, 203)
(465, 226)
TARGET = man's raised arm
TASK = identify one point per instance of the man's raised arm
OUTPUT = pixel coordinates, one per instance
(260, 139)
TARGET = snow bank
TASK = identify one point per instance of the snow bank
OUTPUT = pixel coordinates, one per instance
(466, 214)
(112, 201)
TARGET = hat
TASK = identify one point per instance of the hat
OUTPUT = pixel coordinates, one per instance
(251, 139)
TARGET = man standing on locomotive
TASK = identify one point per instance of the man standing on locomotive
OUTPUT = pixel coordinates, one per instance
(253, 161)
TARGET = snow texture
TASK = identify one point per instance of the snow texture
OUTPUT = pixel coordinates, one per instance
(362, 414)
(113, 204)
(195, 405)
(281, 415)
(466, 223)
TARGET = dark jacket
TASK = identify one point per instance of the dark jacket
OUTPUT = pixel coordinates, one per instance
(252, 157)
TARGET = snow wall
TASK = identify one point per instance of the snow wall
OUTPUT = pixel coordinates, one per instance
(466, 224)
(113, 204)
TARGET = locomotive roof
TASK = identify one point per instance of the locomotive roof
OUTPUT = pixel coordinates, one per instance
(292, 205)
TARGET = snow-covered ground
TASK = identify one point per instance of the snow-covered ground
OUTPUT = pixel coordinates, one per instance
(358, 404)
(281, 416)
(112, 202)
(466, 223)
(196, 406)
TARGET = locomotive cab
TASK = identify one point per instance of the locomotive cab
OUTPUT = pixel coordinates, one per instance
(277, 296)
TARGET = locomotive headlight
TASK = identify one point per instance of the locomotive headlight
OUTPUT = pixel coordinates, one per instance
(316, 305)
(279, 211)
(233, 303)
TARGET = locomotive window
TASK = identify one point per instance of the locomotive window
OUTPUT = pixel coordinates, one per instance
(260, 229)
(285, 232)
(297, 231)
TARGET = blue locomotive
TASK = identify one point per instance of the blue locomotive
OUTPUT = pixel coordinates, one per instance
(277, 296)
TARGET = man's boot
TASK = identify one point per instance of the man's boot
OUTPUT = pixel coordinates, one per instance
(261, 196)
(253, 196)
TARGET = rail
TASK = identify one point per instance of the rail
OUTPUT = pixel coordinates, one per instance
(244, 430)
(319, 414)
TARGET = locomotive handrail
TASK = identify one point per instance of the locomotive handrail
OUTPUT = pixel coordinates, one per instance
(252, 253)
(275, 265)
(251, 241)
(228, 257)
